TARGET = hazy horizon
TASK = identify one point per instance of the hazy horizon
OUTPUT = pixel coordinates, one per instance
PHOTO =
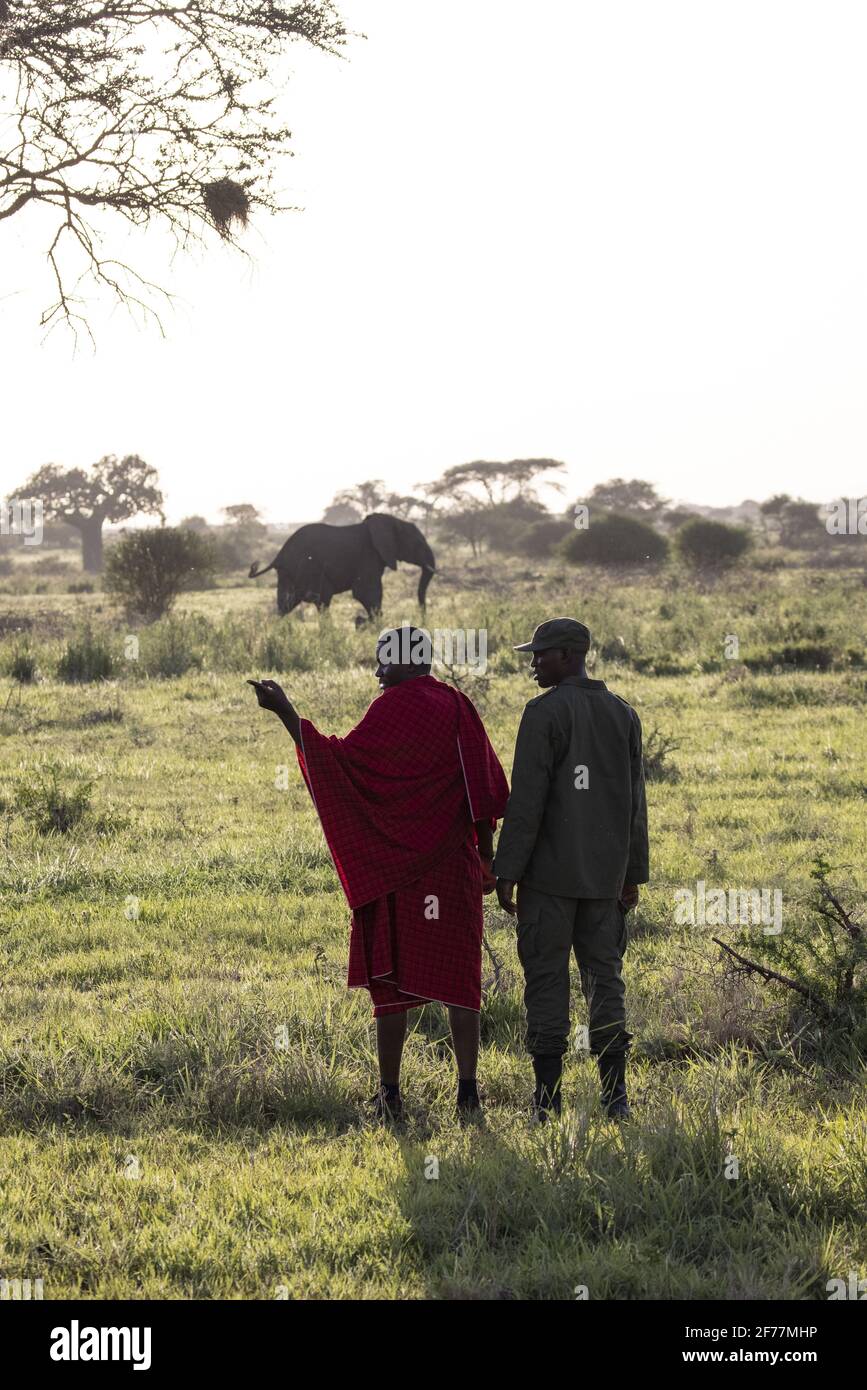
(628, 238)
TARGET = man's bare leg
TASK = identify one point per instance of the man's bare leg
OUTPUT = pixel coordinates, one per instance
(464, 1024)
(390, 1035)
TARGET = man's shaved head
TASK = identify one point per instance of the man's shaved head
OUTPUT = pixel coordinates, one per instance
(401, 653)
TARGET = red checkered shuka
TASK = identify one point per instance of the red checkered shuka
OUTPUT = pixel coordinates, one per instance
(397, 798)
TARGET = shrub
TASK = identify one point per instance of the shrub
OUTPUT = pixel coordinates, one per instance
(112, 714)
(656, 747)
(615, 540)
(50, 565)
(174, 646)
(507, 525)
(822, 962)
(21, 665)
(706, 544)
(85, 658)
(148, 569)
(81, 586)
(543, 537)
(803, 656)
(801, 526)
(51, 807)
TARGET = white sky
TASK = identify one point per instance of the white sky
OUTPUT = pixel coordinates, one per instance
(630, 236)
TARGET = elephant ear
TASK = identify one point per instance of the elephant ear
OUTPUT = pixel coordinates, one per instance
(382, 530)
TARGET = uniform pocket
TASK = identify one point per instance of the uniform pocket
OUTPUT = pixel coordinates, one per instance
(624, 930)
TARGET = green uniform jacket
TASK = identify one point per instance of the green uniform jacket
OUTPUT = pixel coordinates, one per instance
(576, 822)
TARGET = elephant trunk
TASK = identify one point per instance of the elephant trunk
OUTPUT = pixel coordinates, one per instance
(427, 575)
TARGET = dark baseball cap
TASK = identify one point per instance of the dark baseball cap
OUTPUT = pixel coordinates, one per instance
(558, 632)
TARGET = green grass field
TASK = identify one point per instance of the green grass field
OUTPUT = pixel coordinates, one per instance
(185, 1077)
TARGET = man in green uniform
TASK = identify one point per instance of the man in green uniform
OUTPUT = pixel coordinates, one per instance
(574, 841)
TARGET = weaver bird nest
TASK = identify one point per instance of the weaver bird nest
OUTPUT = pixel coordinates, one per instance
(226, 202)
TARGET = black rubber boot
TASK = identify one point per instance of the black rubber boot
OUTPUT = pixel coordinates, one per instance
(612, 1074)
(549, 1076)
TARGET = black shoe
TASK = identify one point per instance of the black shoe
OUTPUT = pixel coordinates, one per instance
(544, 1109)
(549, 1077)
(469, 1105)
(612, 1074)
(470, 1112)
(387, 1105)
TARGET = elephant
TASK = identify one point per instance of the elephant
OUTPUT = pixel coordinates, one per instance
(319, 561)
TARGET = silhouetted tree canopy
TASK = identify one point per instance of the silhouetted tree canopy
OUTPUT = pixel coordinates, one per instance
(154, 112)
(245, 517)
(367, 497)
(628, 497)
(341, 514)
(114, 490)
(801, 526)
(494, 482)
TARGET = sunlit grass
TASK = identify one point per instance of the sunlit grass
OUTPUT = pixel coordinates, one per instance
(173, 1001)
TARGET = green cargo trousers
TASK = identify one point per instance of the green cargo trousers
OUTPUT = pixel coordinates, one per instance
(595, 929)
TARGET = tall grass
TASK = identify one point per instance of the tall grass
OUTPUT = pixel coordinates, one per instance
(184, 1078)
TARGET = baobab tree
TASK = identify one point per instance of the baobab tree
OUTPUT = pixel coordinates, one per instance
(114, 490)
(154, 112)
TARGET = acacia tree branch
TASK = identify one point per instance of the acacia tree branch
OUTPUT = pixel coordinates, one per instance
(767, 974)
(151, 111)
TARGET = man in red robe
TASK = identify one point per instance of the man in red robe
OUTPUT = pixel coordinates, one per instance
(408, 802)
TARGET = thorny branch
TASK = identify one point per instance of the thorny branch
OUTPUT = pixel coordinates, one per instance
(156, 113)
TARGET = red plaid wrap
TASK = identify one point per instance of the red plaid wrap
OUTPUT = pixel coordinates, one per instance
(397, 798)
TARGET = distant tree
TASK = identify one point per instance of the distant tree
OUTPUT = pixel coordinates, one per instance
(465, 524)
(708, 544)
(615, 540)
(771, 513)
(673, 517)
(410, 508)
(341, 514)
(801, 527)
(148, 569)
(774, 505)
(632, 497)
(493, 483)
(509, 523)
(543, 537)
(243, 533)
(144, 111)
(243, 516)
(114, 490)
(367, 497)
(195, 523)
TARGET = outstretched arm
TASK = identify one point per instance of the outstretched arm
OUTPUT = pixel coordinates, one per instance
(273, 697)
